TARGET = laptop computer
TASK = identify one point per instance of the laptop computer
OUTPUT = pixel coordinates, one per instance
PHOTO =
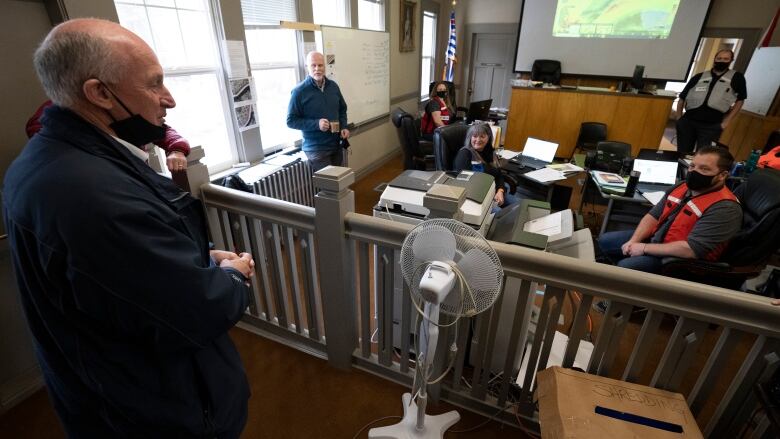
(536, 153)
(656, 175)
(479, 110)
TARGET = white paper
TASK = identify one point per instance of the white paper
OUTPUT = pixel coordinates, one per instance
(237, 64)
(507, 154)
(257, 172)
(547, 225)
(565, 167)
(654, 197)
(545, 175)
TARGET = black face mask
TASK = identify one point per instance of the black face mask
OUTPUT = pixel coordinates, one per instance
(441, 94)
(135, 129)
(697, 181)
(720, 66)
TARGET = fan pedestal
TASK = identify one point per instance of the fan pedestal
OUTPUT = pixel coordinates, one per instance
(435, 426)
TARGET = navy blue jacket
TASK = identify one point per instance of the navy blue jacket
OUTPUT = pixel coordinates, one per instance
(128, 314)
(308, 105)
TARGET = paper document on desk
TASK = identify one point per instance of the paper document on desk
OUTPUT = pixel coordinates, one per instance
(654, 197)
(545, 175)
(566, 168)
(547, 225)
(507, 154)
(608, 179)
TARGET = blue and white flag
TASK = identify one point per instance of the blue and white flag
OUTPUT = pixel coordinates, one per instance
(449, 72)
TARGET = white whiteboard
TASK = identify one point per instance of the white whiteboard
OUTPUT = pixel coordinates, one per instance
(763, 79)
(359, 61)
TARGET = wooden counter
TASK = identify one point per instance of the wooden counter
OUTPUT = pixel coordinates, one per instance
(556, 114)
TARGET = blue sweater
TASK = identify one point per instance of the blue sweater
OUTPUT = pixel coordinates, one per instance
(308, 105)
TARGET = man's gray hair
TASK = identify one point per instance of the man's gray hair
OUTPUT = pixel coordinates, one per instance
(65, 60)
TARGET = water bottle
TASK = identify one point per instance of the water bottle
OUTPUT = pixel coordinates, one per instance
(633, 179)
(750, 165)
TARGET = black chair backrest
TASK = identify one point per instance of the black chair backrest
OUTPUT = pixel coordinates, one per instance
(612, 147)
(408, 135)
(546, 70)
(447, 141)
(591, 133)
(760, 234)
(450, 90)
(658, 154)
(771, 141)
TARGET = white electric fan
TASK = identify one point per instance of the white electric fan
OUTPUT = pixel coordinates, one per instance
(450, 269)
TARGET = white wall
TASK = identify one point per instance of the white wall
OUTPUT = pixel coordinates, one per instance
(492, 11)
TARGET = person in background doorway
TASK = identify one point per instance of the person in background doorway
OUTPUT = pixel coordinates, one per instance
(438, 111)
(128, 308)
(318, 109)
(711, 100)
(175, 146)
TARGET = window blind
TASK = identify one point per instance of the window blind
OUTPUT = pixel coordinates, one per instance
(268, 12)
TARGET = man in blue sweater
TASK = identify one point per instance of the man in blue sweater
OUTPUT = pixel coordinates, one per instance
(319, 111)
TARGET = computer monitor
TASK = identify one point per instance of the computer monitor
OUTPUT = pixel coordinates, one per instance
(637, 81)
(540, 149)
(479, 110)
(656, 171)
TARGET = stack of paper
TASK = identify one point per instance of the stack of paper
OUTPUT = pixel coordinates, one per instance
(566, 168)
(654, 197)
(507, 154)
(545, 175)
(608, 179)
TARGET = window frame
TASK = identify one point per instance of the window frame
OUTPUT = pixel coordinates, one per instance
(435, 15)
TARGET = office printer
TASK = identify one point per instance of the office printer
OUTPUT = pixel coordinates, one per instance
(402, 199)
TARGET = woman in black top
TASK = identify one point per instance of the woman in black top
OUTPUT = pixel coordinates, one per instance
(438, 111)
(478, 149)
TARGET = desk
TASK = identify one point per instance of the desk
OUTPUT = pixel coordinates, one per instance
(556, 115)
(625, 211)
(558, 196)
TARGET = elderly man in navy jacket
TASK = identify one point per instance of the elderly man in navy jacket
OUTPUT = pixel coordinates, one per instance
(128, 307)
(317, 108)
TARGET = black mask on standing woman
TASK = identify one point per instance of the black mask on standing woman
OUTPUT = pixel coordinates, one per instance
(721, 66)
(441, 94)
(135, 129)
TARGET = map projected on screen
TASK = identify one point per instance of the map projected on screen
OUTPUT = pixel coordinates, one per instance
(641, 19)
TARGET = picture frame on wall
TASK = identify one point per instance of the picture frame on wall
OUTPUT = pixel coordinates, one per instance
(406, 43)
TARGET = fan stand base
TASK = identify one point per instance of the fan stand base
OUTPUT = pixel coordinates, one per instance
(434, 427)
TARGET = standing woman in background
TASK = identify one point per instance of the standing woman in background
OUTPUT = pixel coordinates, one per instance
(438, 111)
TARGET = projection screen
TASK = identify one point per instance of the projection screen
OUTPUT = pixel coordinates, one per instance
(610, 37)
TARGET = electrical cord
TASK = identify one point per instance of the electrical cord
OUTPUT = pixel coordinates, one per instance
(374, 422)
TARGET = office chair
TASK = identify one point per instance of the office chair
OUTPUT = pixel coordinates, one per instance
(750, 249)
(609, 156)
(771, 141)
(448, 140)
(591, 133)
(460, 112)
(418, 154)
(547, 71)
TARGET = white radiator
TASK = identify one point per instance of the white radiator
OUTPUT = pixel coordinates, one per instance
(292, 182)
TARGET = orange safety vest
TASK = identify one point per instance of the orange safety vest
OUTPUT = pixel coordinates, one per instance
(770, 159)
(426, 125)
(690, 213)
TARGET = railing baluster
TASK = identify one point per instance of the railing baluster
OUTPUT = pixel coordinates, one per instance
(384, 300)
(608, 341)
(408, 312)
(365, 300)
(711, 373)
(255, 305)
(312, 317)
(277, 264)
(750, 404)
(519, 333)
(482, 323)
(464, 330)
(578, 330)
(536, 347)
(227, 232)
(261, 263)
(292, 271)
(645, 340)
(741, 386)
(679, 352)
(552, 325)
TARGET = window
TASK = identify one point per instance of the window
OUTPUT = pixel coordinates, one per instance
(428, 52)
(330, 12)
(181, 32)
(273, 58)
(371, 14)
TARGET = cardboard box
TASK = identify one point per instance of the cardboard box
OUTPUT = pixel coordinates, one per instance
(578, 405)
